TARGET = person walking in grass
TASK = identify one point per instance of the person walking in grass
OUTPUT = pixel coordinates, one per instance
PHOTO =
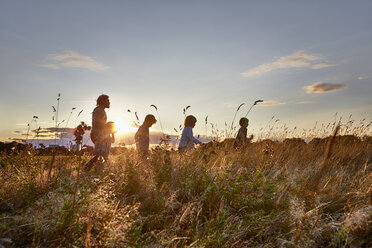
(241, 139)
(142, 136)
(187, 139)
(102, 133)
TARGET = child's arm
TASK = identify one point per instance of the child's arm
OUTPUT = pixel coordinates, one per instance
(196, 141)
(190, 136)
(112, 138)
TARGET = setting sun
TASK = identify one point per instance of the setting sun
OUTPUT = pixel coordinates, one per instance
(123, 127)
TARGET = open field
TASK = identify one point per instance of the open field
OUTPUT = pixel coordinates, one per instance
(185, 124)
(272, 194)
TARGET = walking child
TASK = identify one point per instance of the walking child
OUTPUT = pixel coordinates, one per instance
(241, 139)
(187, 139)
(142, 136)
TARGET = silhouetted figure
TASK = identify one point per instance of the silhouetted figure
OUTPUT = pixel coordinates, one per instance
(79, 133)
(102, 134)
(187, 139)
(142, 136)
(241, 139)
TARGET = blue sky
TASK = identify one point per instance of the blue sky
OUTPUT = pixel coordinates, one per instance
(307, 60)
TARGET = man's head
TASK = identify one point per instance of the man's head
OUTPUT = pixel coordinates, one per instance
(103, 101)
(244, 122)
(190, 121)
(149, 120)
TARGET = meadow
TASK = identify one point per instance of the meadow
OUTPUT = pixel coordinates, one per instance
(287, 193)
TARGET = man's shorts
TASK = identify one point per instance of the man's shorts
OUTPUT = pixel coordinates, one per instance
(102, 148)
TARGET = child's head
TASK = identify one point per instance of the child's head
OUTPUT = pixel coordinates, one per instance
(110, 127)
(190, 121)
(149, 120)
(244, 122)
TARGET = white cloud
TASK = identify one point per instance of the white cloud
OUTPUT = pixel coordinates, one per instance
(270, 103)
(322, 65)
(320, 87)
(50, 66)
(362, 77)
(300, 59)
(75, 60)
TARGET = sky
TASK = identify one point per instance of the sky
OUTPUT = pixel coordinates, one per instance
(306, 59)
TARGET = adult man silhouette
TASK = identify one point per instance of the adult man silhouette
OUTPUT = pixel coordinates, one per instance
(101, 135)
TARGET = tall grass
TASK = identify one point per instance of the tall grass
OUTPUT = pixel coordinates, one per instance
(211, 197)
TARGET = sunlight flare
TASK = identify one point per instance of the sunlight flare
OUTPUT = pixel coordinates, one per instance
(122, 127)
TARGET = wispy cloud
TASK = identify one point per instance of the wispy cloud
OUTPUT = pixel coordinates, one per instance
(270, 103)
(322, 65)
(74, 60)
(50, 66)
(44, 132)
(320, 87)
(362, 77)
(300, 59)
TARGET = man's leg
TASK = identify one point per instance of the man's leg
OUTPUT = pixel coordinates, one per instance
(91, 163)
(104, 150)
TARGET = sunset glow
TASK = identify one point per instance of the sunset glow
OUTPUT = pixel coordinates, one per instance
(123, 127)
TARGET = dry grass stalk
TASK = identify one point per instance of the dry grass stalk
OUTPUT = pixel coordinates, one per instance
(179, 238)
(88, 234)
(222, 205)
(299, 229)
(284, 194)
(161, 126)
(329, 147)
(76, 187)
(255, 103)
(51, 164)
(193, 244)
(314, 182)
(232, 123)
(183, 220)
